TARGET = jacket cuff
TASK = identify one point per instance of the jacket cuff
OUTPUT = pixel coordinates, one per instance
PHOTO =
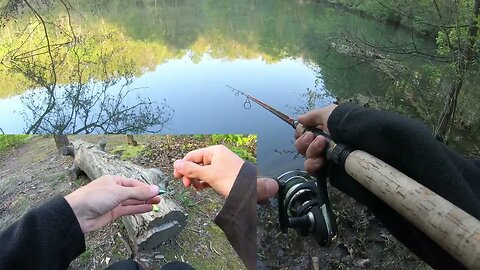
(63, 218)
(338, 117)
(238, 217)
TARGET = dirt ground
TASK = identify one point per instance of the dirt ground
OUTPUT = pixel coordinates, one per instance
(34, 172)
(29, 174)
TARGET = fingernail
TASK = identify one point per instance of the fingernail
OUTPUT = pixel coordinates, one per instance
(161, 191)
(155, 189)
(178, 164)
(271, 186)
(155, 208)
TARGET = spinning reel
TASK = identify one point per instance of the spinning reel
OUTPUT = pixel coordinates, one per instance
(303, 204)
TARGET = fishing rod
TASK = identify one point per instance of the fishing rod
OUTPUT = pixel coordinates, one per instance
(452, 228)
(287, 119)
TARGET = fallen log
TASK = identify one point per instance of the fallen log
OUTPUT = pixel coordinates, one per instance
(147, 230)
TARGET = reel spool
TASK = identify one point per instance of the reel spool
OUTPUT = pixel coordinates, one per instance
(303, 204)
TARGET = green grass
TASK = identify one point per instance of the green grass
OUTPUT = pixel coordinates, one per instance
(185, 199)
(128, 151)
(10, 141)
(85, 257)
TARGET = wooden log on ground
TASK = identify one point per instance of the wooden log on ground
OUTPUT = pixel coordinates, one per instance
(146, 230)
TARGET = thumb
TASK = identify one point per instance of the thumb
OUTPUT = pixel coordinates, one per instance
(266, 188)
(190, 169)
(312, 118)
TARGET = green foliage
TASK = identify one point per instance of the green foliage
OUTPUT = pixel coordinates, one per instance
(101, 49)
(9, 141)
(457, 35)
(199, 137)
(421, 16)
(234, 139)
(243, 153)
(442, 44)
(128, 151)
(242, 145)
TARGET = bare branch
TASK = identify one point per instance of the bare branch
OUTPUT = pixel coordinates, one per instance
(39, 17)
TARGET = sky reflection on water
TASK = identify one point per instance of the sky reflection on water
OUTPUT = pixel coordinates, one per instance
(204, 104)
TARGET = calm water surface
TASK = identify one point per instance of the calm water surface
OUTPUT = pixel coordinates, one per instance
(187, 52)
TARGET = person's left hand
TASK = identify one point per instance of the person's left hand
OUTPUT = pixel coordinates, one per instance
(109, 197)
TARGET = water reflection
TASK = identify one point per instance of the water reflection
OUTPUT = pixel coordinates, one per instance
(187, 51)
(95, 100)
(92, 108)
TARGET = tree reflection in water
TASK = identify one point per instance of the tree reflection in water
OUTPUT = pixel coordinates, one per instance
(78, 87)
(90, 108)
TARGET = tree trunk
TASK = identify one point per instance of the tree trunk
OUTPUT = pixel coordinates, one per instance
(466, 57)
(445, 122)
(146, 230)
(131, 140)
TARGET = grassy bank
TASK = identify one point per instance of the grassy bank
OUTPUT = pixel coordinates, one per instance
(10, 141)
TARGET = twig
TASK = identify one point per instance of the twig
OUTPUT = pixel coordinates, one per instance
(176, 242)
(212, 248)
(193, 230)
(315, 263)
(54, 73)
(127, 245)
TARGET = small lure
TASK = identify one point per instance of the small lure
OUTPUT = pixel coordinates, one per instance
(155, 207)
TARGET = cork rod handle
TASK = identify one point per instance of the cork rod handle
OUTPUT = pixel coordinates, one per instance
(449, 226)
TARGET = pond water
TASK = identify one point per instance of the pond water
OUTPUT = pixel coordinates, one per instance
(187, 52)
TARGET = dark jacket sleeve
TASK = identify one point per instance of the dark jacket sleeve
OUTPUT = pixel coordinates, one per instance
(476, 162)
(46, 237)
(408, 146)
(238, 217)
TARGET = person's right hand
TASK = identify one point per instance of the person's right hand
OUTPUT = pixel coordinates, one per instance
(310, 146)
(214, 166)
